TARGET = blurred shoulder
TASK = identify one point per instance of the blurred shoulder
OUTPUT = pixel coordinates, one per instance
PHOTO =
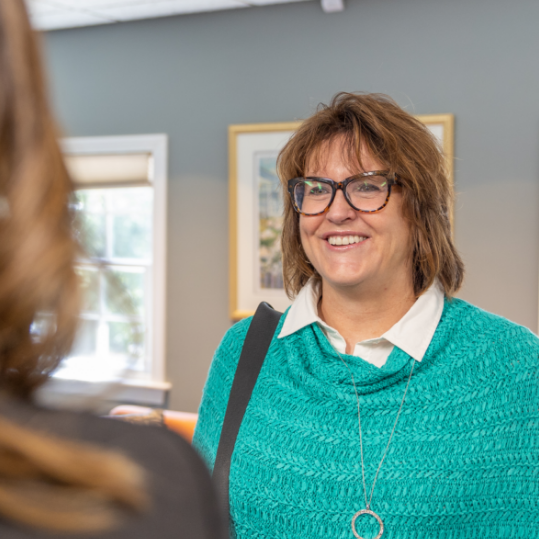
(179, 484)
(154, 448)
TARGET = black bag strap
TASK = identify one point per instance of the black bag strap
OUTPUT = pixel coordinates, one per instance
(255, 348)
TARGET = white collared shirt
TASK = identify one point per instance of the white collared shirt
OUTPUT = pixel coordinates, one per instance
(412, 333)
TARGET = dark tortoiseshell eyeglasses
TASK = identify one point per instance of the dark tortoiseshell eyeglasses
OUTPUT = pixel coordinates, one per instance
(367, 192)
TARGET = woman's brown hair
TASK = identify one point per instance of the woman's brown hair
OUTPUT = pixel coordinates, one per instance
(45, 482)
(405, 147)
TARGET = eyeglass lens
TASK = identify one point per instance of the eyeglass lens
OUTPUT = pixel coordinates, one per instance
(365, 193)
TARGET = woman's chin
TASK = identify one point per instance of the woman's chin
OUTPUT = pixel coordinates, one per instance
(346, 281)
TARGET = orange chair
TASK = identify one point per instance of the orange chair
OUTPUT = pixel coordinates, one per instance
(183, 423)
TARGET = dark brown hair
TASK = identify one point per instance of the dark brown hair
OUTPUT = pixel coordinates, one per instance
(404, 146)
(45, 482)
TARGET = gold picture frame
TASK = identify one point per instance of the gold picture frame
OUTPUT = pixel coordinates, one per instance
(235, 132)
(248, 146)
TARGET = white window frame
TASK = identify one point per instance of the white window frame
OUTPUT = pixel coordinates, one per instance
(154, 390)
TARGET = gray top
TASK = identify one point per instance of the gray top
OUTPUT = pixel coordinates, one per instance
(183, 503)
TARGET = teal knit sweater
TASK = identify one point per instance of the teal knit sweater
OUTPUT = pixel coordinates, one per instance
(464, 460)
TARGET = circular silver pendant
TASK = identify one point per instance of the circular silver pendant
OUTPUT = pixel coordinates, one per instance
(372, 514)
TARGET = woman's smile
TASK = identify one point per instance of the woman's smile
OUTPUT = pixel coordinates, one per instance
(345, 239)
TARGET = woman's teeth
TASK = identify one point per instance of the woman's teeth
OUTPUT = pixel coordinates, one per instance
(345, 240)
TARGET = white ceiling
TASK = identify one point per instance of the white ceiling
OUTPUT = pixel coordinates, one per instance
(57, 14)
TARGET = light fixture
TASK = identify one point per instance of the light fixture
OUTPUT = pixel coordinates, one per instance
(331, 6)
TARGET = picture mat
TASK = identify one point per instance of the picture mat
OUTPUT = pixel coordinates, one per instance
(249, 292)
(437, 129)
(269, 209)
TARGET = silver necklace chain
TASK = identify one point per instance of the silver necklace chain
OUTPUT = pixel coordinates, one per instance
(368, 503)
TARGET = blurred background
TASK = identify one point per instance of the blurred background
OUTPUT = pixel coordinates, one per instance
(169, 76)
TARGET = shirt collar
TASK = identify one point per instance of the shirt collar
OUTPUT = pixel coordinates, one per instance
(303, 311)
(412, 333)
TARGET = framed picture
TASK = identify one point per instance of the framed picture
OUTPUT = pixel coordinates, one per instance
(256, 208)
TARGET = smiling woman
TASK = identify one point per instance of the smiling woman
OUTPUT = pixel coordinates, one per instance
(375, 129)
(384, 404)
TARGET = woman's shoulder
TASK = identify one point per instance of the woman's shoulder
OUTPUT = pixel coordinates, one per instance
(217, 389)
(228, 352)
(234, 338)
(182, 499)
(481, 323)
(493, 343)
(227, 355)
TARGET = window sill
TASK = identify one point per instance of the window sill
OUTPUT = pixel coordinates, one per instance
(79, 394)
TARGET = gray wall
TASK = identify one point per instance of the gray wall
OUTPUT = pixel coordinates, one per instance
(191, 76)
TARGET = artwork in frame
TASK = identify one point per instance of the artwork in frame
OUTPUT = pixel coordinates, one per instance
(256, 207)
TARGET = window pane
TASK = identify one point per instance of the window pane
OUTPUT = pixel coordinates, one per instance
(86, 341)
(89, 280)
(125, 292)
(90, 206)
(90, 200)
(92, 233)
(132, 236)
(126, 339)
(132, 222)
(130, 200)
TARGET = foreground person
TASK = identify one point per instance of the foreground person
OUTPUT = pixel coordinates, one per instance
(64, 474)
(384, 405)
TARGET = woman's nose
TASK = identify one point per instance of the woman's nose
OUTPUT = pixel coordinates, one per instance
(340, 210)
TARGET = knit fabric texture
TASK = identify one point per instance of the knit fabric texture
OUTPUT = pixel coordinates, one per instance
(463, 462)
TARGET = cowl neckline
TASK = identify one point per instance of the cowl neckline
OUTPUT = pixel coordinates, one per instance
(316, 365)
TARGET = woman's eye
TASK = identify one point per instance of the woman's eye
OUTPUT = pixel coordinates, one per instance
(314, 189)
(366, 187)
